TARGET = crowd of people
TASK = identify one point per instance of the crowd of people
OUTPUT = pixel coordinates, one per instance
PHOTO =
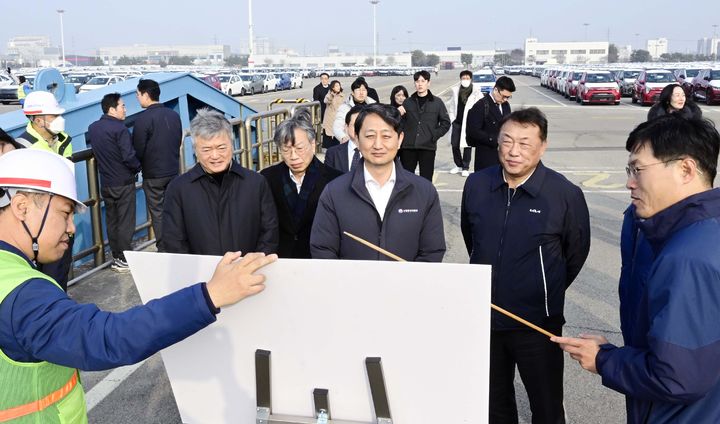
(527, 221)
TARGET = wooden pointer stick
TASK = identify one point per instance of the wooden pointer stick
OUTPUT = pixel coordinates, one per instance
(497, 308)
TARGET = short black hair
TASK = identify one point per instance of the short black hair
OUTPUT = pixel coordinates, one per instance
(530, 116)
(394, 91)
(389, 114)
(151, 87)
(357, 83)
(465, 73)
(424, 74)
(22, 79)
(109, 101)
(505, 83)
(353, 110)
(672, 136)
(325, 74)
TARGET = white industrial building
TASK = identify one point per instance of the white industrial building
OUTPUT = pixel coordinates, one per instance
(657, 47)
(327, 62)
(453, 56)
(34, 50)
(213, 54)
(708, 46)
(557, 53)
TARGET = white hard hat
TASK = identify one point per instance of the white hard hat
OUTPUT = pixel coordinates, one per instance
(38, 171)
(42, 103)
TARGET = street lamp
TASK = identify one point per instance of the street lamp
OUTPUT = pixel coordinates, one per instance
(586, 25)
(62, 35)
(374, 3)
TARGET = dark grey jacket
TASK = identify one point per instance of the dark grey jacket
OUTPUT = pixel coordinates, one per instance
(424, 127)
(412, 227)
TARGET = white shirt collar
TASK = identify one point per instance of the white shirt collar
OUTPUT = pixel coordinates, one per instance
(369, 178)
(298, 182)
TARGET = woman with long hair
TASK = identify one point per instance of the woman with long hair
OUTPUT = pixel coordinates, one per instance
(672, 99)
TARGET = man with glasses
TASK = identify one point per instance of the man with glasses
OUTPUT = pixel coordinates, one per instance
(532, 225)
(669, 281)
(483, 122)
(296, 184)
(218, 206)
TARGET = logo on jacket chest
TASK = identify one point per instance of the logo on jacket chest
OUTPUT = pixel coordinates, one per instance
(537, 211)
(401, 211)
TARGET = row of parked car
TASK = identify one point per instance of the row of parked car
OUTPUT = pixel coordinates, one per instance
(241, 83)
(586, 86)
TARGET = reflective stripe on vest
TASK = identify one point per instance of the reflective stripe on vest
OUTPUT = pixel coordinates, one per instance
(21, 92)
(40, 391)
(39, 405)
(63, 146)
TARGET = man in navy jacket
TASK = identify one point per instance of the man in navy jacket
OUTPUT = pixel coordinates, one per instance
(157, 137)
(532, 225)
(118, 167)
(218, 206)
(379, 201)
(669, 285)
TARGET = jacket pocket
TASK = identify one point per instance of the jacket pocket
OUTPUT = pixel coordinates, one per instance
(544, 281)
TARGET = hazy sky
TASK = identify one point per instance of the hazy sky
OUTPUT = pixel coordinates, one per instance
(310, 26)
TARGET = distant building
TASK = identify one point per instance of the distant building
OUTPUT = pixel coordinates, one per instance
(452, 57)
(708, 46)
(214, 54)
(33, 50)
(556, 53)
(329, 62)
(657, 47)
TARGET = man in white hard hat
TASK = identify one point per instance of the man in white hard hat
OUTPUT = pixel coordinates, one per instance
(46, 129)
(45, 337)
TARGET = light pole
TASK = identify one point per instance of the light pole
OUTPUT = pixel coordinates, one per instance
(409, 33)
(251, 50)
(62, 35)
(374, 3)
(586, 25)
(637, 40)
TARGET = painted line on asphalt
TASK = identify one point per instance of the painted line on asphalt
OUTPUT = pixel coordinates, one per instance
(108, 384)
(545, 95)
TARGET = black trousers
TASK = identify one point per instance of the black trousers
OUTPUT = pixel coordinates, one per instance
(154, 189)
(461, 160)
(540, 363)
(426, 158)
(120, 217)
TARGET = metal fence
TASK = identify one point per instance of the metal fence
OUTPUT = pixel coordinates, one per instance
(253, 148)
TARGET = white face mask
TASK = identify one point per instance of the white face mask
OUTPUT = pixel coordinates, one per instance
(465, 83)
(57, 126)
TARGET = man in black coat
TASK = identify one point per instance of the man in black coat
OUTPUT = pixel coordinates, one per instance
(484, 120)
(345, 156)
(532, 225)
(118, 167)
(319, 93)
(218, 206)
(296, 184)
(425, 120)
(379, 201)
(157, 137)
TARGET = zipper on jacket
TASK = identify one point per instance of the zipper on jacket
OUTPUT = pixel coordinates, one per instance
(542, 269)
(510, 195)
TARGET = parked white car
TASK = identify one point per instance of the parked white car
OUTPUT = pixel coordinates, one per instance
(100, 81)
(297, 79)
(271, 82)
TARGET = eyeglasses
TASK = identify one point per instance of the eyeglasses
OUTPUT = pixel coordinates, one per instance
(299, 150)
(633, 171)
(502, 96)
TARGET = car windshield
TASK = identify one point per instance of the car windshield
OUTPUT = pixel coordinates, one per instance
(660, 77)
(246, 77)
(77, 79)
(483, 78)
(631, 74)
(689, 73)
(715, 75)
(98, 81)
(224, 78)
(604, 77)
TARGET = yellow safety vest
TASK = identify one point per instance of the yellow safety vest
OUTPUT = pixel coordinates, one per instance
(35, 392)
(63, 146)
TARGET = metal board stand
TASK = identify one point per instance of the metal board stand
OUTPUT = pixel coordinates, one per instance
(322, 414)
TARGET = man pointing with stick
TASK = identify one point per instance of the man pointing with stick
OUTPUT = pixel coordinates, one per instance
(532, 225)
(669, 299)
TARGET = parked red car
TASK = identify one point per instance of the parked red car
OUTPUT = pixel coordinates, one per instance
(706, 86)
(649, 84)
(598, 87)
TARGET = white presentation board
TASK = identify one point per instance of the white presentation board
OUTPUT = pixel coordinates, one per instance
(430, 324)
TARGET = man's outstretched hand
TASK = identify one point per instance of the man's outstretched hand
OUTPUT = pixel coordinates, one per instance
(234, 278)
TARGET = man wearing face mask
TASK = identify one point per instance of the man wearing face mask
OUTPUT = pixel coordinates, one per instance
(46, 131)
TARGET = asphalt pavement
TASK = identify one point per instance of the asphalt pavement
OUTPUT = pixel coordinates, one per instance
(585, 143)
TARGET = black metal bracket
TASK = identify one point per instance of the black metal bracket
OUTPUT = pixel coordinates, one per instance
(321, 401)
(377, 389)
